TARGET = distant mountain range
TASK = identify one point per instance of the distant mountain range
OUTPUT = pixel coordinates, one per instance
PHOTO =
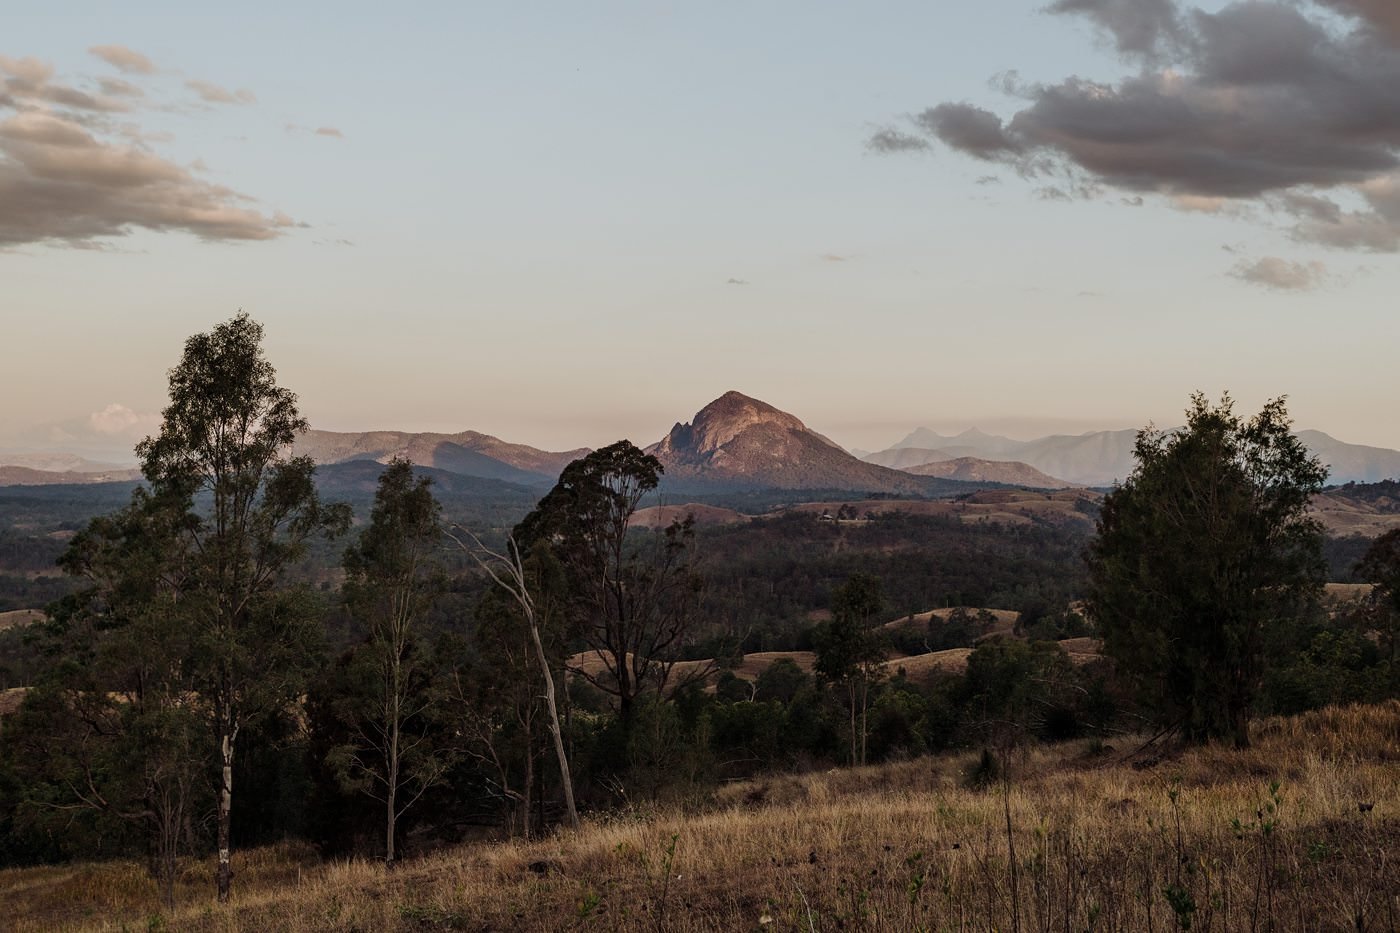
(741, 443)
(466, 454)
(25, 476)
(1100, 458)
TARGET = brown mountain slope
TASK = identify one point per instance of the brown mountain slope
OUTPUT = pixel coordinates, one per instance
(468, 452)
(974, 470)
(737, 441)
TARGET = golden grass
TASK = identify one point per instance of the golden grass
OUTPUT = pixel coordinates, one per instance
(17, 617)
(903, 846)
(1005, 506)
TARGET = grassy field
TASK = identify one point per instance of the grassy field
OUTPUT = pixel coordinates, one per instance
(1300, 832)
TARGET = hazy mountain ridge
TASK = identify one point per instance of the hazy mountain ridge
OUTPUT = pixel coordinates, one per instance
(974, 470)
(468, 453)
(25, 476)
(58, 461)
(1101, 458)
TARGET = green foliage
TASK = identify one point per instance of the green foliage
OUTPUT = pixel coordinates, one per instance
(1200, 553)
(244, 513)
(1014, 687)
(110, 732)
(851, 651)
(388, 691)
(632, 597)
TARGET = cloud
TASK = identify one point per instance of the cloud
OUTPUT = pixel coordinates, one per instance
(71, 175)
(329, 131)
(29, 82)
(970, 129)
(1281, 274)
(1139, 28)
(736, 281)
(834, 257)
(125, 60)
(891, 140)
(1273, 103)
(117, 419)
(116, 87)
(214, 94)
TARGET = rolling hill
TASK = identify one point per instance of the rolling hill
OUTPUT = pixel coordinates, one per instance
(468, 453)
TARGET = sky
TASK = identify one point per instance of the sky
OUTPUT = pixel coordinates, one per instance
(565, 223)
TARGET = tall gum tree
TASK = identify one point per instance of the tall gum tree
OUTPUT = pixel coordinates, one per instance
(247, 510)
(393, 577)
(632, 594)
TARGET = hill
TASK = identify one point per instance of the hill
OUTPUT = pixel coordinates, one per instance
(1100, 458)
(27, 476)
(468, 453)
(1365, 509)
(737, 442)
(1003, 472)
(1097, 832)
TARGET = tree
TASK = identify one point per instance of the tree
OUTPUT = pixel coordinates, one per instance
(110, 728)
(392, 579)
(632, 596)
(246, 510)
(520, 579)
(1199, 552)
(851, 653)
(1381, 566)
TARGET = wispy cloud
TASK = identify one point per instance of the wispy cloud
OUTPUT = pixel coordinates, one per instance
(73, 174)
(889, 140)
(212, 93)
(124, 59)
(1281, 274)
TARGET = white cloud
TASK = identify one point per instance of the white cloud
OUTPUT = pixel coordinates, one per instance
(119, 420)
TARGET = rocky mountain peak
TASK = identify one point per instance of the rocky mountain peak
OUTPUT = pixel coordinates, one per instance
(721, 422)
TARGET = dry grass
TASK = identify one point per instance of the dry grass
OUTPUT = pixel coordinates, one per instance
(1005, 506)
(17, 617)
(1097, 842)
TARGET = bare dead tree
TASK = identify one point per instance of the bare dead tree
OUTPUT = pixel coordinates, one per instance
(508, 571)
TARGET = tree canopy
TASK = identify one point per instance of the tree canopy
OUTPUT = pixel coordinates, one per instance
(1204, 547)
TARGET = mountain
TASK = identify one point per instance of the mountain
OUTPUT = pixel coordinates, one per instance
(357, 480)
(1100, 458)
(902, 458)
(58, 462)
(973, 470)
(469, 453)
(24, 476)
(990, 446)
(1352, 463)
(1095, 459)
(741, 442)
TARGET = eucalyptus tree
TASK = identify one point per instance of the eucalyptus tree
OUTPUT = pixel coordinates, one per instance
(393, 576)
(632, 593)
(246, 511)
